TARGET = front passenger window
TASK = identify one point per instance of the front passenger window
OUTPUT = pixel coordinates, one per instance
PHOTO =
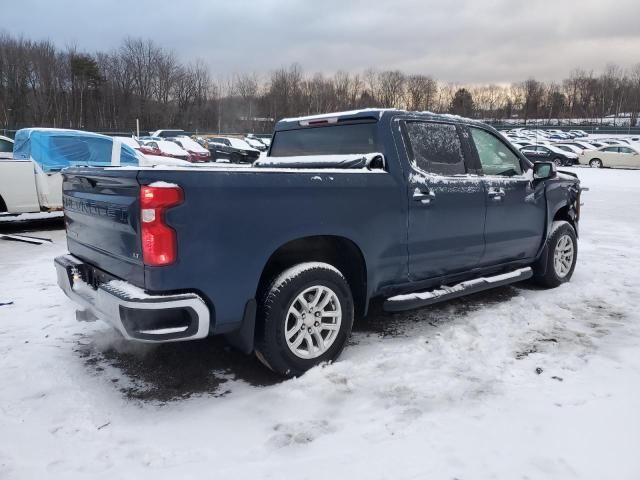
(495, 157)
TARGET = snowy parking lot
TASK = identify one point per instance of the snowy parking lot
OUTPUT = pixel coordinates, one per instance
(514, 383)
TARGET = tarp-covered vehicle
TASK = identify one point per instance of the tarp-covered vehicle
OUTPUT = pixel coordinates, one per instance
(31, 181)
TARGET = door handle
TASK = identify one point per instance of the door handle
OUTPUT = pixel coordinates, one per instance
(423, 197)
(496, 194)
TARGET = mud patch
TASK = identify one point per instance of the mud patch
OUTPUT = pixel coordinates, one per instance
(173, 371)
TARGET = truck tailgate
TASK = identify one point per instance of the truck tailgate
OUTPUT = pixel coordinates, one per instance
(103, 222)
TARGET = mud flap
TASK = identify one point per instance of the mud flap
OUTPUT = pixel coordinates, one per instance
(243, 338)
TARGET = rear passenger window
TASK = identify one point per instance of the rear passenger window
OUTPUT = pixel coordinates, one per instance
(495, 157)
(436, 148)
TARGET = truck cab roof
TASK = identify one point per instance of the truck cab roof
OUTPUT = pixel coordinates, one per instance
(366, 114)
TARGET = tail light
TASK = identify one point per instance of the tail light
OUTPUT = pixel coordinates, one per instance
(159, 242)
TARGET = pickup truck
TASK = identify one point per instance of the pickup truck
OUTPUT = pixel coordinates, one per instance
(281, 256)
(30, 180)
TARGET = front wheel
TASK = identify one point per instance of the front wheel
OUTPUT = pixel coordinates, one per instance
(558, 161)
(595, 163)
(305, 318)
(556, 266)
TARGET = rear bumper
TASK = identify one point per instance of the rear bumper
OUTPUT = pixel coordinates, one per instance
(136, 314)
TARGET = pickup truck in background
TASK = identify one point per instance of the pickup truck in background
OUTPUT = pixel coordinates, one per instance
(281, 256)
(31, 179)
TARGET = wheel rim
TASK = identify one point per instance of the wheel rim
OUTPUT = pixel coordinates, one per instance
(596, 163)
(313, 322)
(558, 162)
(563, 256)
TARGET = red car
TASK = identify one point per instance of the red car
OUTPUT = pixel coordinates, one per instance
(197, 153)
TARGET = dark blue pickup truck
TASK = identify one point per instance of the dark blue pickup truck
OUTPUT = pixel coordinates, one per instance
(281, 256)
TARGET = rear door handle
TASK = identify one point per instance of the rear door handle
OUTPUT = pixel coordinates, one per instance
(496, 194)
(424, 197)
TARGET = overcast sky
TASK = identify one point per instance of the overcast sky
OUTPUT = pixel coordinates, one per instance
(471, 41)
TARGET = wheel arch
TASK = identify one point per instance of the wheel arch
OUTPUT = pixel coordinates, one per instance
(341, 252)
(566, 213)
(3, 205)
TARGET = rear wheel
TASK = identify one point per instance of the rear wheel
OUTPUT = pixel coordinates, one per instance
(558, 161)
(235, 158)
(558, 262)
(595, 163)
(305, 318)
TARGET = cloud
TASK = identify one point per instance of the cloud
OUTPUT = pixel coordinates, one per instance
(474, 41)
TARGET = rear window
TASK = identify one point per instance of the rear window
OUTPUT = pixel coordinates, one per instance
(330, 140)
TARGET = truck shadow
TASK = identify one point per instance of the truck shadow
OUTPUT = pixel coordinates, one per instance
(176, 371)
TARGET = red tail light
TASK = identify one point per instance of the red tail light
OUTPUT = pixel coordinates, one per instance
(159, 243)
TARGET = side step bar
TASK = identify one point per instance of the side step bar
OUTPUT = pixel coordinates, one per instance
(411, 301)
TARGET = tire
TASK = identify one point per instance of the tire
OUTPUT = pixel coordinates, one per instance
(235, 158)
(595, 163)
(277, 318)
(558, 161)
(554, 267)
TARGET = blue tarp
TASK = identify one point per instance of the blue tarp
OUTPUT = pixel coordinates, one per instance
(54, 149)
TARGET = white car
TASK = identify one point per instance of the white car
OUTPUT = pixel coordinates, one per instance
(255, 143)
(616, 156)
(6, 147)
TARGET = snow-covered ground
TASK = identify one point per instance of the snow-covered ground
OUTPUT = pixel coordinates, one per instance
(514, 383)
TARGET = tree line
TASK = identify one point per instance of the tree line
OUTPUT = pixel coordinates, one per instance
(42, 85)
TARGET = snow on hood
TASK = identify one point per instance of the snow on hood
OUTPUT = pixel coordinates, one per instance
(171, 148)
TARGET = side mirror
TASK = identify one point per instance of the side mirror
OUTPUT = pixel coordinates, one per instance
(544, 170)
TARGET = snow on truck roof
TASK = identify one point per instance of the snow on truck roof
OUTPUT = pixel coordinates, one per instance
(379, 112)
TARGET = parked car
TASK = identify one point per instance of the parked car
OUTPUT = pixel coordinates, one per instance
(256, 143)
(615, 156)
(197, 153)
(233, 149)
(579, 133)
(166, 133)
(140, 146)
(31, 181)
(280, 257)
(582, 145)
(264, 138)
(551, 153)
(168, 149)
(568, 148)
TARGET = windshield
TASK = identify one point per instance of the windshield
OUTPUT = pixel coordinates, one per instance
(333, 140)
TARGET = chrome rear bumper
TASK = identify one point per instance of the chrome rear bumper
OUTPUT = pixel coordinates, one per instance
(136, 314)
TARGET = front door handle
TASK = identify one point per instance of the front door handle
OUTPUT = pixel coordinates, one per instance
(424, 197)
(496, 194)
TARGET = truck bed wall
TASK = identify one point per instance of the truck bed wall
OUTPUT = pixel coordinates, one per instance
(231, 222)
